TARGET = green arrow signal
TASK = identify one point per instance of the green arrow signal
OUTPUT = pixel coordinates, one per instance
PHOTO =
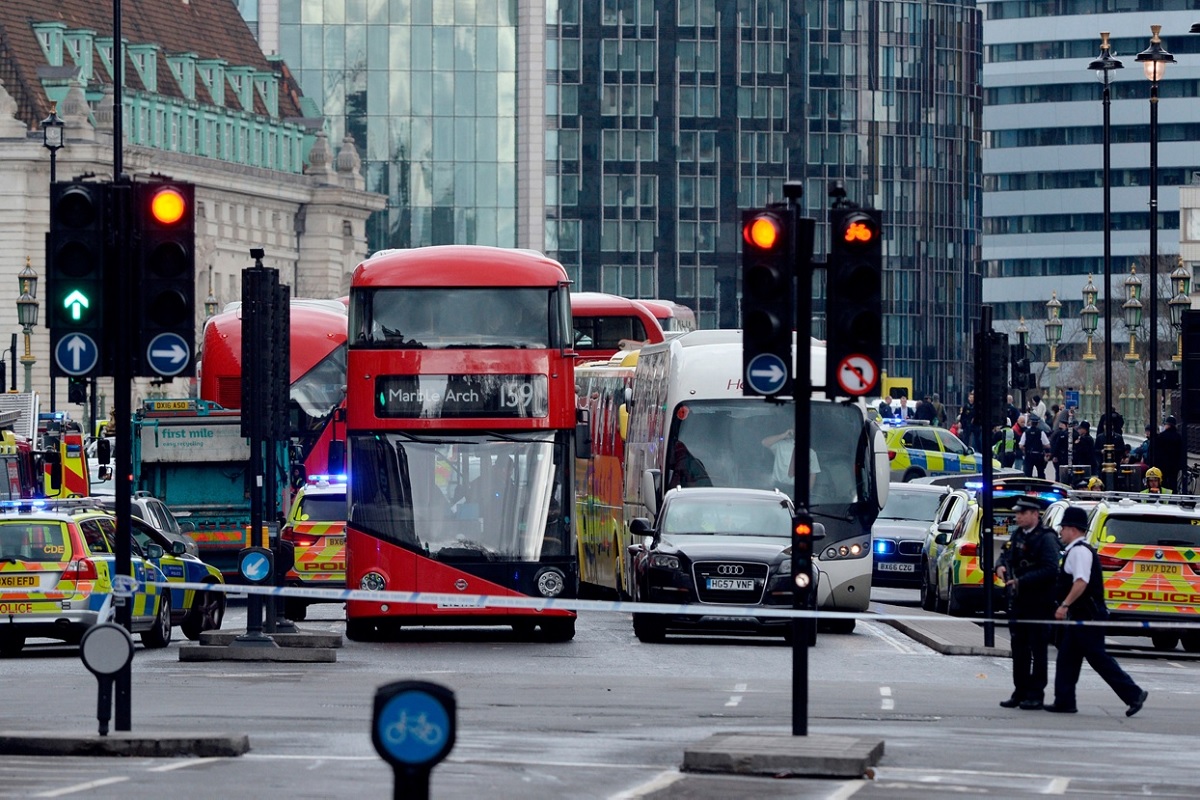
(75, 302)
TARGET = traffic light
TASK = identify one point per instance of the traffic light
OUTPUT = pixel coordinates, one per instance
(854, 302)
(802, 554)
(995, 373)
(768, 300)
(1022, 376)
(1190, 367)
(75, 278)
(77, 391)
(164, 232)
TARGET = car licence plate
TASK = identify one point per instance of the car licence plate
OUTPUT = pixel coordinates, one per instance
(19, 581)
(1156, 568)
(731, 584)
(889, 567)
(334, 541)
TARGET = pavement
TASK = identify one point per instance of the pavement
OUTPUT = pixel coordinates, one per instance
(123, 744)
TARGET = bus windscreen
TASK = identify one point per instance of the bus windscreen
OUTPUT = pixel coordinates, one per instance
(455, 317)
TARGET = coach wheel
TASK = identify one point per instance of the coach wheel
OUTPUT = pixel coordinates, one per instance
(1191, 642)
(1165, 641)
(11, 644)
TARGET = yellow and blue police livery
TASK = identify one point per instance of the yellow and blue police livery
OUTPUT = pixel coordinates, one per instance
(916, 451)
(56, 578)
(192, 610)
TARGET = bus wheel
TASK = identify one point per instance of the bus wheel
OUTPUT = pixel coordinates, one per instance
(361, 630)
(1165, 641)
(558, 630)
(524, 630)
(648, 628)
(294, 609)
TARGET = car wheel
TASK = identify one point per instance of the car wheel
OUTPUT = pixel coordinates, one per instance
(558, 630)
(1165, 641)
(294, 609)
(11, 644)
(928, 593)
(648, 628)
(206, 614)
(1191, 642)
(912, 475)
(955, 606)
(159, 635)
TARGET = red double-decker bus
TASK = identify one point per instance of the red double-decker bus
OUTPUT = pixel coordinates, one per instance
(460, 419)
(606, 323)
(318, 375)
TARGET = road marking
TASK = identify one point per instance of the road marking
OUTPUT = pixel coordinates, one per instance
(191, 762)
(83, 787)
(660, 781)
(847, 790)
(1176, 664)
(1058, 786)
(736, 698)
(887, 634)
(886, 703)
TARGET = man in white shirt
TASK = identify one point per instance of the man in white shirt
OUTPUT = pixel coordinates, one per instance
(1081, 587)
(783, 471)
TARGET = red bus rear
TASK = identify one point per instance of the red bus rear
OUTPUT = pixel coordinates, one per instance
(460, 421)
(672, 317)
(606, 323)
(318, 375)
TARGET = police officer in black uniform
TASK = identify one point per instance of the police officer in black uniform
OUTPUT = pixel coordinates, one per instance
(1080, 589)
(1027, 566)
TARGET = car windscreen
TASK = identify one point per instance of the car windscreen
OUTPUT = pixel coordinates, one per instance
(728, 517)
(1161, 531)
(902, 505)
(32, 541)
(323, 508)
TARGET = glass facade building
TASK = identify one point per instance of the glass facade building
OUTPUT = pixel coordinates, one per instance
(625, 137)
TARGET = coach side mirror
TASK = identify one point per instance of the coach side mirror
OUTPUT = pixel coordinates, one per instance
(640, 526)
(651, 486)
(103, 451)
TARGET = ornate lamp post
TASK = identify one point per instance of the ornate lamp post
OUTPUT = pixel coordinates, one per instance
(1089, 316)
(210, 302)
(1133, 318)
(1181, 282)
(1054, 327)
(27, 316)
(52, 139)
(1104, 66)
(1154, 60)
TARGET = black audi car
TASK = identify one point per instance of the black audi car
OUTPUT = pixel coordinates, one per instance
(715, 547)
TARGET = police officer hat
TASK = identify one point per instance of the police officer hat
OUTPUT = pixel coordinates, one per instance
(1025, 504)
(1074, 517)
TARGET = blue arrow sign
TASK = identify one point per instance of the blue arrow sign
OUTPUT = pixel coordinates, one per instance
(168, 354)
(254, 567)
(1071, 398)
(413, 727)
(76, 354)
(766, 373)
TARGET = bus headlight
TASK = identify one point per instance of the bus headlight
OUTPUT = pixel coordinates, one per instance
(372, 582)
(551, 582)
(847, 550)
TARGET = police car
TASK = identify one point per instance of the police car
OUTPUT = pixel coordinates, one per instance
(916, 451)
(316, 525)
(1150, 556)
(57, 572)
(193, 611)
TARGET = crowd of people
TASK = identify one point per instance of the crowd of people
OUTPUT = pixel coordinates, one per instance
(1049, 442)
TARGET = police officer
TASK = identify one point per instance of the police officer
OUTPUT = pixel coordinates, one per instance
(1027, 566)
(1080, 589)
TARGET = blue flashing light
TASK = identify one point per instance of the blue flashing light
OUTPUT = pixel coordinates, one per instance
(326, 478)
(973, 484)
(884, 547)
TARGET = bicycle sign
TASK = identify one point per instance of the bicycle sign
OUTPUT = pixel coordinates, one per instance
(413, 730)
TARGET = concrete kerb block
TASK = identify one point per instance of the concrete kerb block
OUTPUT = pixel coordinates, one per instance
(202, 652)
(123, 744)
(779, 755)
(226, 638)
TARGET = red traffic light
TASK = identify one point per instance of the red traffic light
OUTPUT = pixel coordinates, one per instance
(859, 230)
(167, 206)
(763, 232)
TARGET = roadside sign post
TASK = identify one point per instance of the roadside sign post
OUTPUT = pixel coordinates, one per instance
(413, 729)
(106, 650)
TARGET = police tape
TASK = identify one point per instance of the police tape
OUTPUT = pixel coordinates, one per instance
(468, 602)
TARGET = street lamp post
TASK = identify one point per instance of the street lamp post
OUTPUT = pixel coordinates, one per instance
(1089, 316)
(1154, 60)
(1054, 325)
(1104, 66)
(210, 302)
(1133, 318)
(27, 316)
(53, 140)
(1181, 282)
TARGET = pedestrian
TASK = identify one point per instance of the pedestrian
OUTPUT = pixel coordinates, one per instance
(903, 410)
(967, 422)
(1060, 449)
(1085, 448)
(1038, 407)
(939, 411)
(1010, 411)
(1027, 567)
(1004, 444)
(1035, 445)
(1080, 590)
(885, 409)
(1166, 453)
(925, 411)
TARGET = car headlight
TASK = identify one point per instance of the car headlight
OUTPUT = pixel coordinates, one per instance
(785, 566)
(372, 582)
(664, 561)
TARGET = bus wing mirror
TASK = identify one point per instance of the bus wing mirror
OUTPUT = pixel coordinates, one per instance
(651, 485)
(103, 451)
(818, 531)
(583, 434)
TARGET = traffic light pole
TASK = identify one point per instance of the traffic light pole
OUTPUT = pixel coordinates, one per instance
(987, 404)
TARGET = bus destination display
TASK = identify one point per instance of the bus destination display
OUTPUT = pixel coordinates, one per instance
(461, 396)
